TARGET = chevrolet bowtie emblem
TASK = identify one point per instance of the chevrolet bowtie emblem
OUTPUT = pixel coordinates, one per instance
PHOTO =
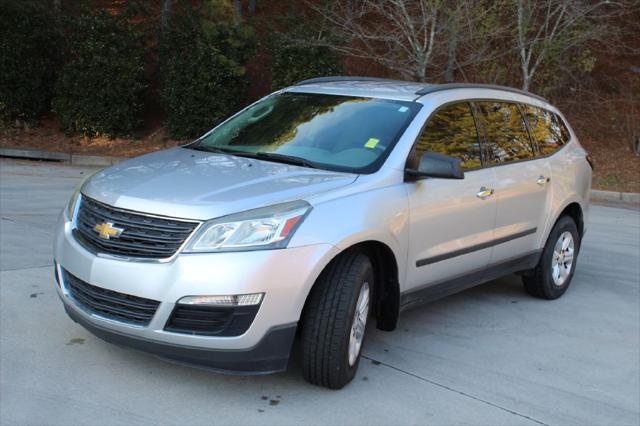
(106, 230)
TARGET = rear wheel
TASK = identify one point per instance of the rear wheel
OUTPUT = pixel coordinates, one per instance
(553, 274)
(335, 319)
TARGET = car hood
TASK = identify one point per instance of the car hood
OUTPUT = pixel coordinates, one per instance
(185, 183)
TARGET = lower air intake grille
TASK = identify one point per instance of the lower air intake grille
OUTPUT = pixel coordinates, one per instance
(110, 304)
(211, 320)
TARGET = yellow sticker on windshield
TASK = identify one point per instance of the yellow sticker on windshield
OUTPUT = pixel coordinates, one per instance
(371, 143)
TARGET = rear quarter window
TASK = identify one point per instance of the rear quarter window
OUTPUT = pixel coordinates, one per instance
(547, 129)
(564, 131)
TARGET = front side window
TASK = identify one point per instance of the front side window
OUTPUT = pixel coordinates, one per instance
(506, 135)
(452, 131)
(546, 129)
(342, 133)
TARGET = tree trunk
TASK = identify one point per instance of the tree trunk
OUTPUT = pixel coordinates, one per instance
(526, 80)
(56, 5)
(252, 6)
(522, 45)
(451, 59)
(421, 69)
(237, 12)
(165, 13)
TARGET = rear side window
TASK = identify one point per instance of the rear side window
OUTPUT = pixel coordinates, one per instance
(564, 132)
(452, 131)
(506, 135)
(546, 129)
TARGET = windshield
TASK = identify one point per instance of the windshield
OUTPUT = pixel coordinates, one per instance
(341, 133)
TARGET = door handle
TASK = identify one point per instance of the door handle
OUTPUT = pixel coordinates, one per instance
(484, 193)
(542, 180)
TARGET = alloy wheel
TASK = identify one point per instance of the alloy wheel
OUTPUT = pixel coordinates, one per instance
(359, 324)
(562, 260)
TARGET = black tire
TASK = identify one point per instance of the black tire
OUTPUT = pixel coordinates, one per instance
(539, 281)
(327, 320)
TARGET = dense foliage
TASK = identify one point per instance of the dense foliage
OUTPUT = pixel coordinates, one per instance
(100, 89)
(294, 62)
(298, 47)
(203, 76)
(29, 43)
(199, 55)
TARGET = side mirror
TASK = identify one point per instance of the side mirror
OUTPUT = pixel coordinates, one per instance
(437, 166)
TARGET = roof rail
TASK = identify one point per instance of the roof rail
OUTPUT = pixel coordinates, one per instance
(427, 89)
(344, 78)
(432, 88)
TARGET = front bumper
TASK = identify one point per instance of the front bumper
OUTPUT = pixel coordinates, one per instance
(284, 276)
(269, 356)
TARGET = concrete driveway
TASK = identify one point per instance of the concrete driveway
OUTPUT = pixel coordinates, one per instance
(490, 355)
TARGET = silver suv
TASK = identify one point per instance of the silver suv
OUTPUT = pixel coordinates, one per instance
(315, 208)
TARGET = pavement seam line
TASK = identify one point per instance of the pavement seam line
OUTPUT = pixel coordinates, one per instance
(40, 175)
(475, 398)
(28, 267)
(30, 225)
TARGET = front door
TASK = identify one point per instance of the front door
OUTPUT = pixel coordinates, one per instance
(451, 221)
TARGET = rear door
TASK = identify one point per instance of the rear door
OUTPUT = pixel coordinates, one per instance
(451, 220)
(522, 180)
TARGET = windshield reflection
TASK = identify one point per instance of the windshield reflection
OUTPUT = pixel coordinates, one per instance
(341, 133)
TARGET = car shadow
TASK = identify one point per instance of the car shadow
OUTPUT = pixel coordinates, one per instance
(501, 291)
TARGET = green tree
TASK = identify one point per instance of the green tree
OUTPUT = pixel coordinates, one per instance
(100, 91)
(295, 59)
(202, 67)
(30, 43)
(298, 47)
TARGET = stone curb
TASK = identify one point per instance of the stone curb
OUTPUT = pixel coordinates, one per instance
(98, 161)
(627, 197)
(76, 160)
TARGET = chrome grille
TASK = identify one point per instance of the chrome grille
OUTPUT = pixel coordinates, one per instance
(142, 236)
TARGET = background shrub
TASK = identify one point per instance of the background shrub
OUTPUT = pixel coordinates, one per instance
(203, 76)
(294, 61)
(100, 89)
(298, 47)
(29, 50)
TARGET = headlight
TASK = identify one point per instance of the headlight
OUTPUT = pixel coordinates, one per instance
(260, 229)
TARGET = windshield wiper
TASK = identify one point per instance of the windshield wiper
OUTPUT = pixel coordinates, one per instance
(277, 158)
(269, 156)
(210, 149)
(287, 159)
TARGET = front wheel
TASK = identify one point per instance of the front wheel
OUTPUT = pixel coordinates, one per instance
(553, 274)
(335, 319)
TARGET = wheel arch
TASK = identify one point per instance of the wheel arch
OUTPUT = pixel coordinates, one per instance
(386, 292)
(574, 211)
(386, 295)
(573, 207)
